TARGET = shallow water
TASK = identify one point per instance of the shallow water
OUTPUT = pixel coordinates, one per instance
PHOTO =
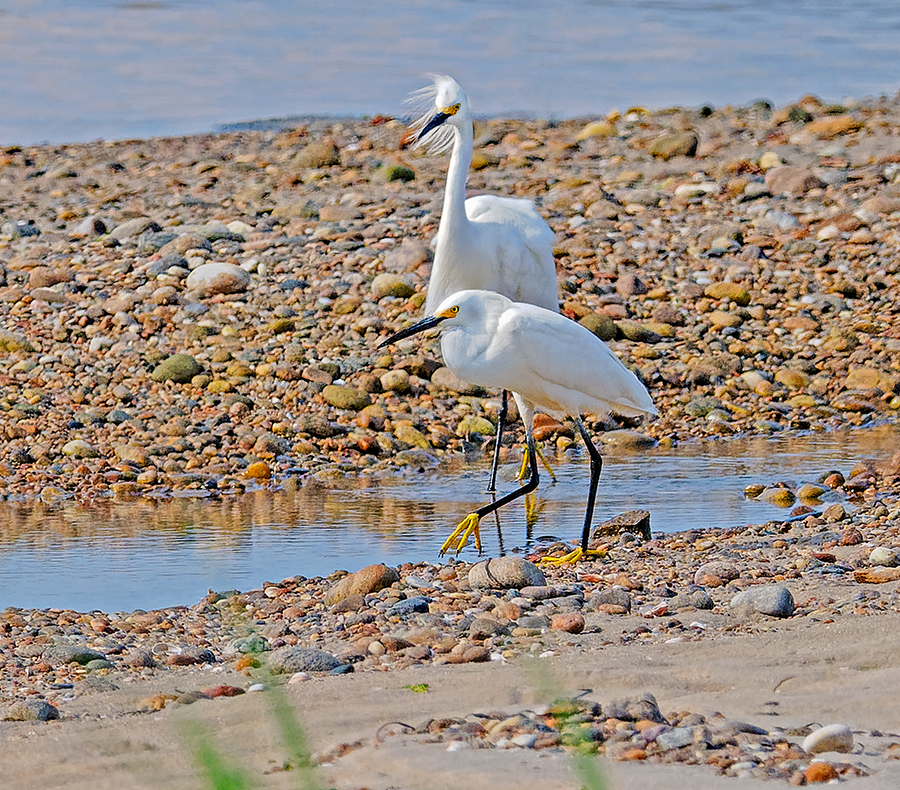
(149, 554)
(84, 69)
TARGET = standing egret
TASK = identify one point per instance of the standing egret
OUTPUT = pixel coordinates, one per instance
(547, 361)
(486, 242)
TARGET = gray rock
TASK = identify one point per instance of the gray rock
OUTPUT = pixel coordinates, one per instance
(31, 710)
(388, 284)
(302, 659)
(70, 654)
(483, 627)
(615, 595)
(539, 593)
(640, 708)
(675, 739)
(698, 599)
(774, 600)
(418, 603)
(317, 425)
(533, 621)
(505, 573)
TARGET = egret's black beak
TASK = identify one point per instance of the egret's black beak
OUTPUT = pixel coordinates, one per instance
(435, 121)
(425, 324)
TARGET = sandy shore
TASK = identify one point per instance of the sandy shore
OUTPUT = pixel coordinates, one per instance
(790, 676)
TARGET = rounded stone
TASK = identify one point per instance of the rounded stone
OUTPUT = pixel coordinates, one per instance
(180, 368)
(716, 574)
(218, 278)
(505, 573)
(302, 659)
(367, 580)
(774, 600)
(570, 622)
(349, 398)
(882, 555)
(831, 738)
(388, 284)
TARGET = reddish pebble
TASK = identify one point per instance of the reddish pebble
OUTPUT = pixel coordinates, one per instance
(570, 622)
(851, 537)
(224, 691)
(820, 772)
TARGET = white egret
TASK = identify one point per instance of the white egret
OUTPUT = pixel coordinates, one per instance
(486, 242)
(547, 361)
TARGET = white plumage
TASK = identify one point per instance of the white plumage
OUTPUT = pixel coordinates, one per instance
(547, 361)
(486, 242)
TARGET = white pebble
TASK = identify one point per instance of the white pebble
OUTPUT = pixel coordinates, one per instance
(882, 555)
(257, 687)
(832, 738)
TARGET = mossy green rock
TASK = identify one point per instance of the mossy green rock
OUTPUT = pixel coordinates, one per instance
(346, 397)
(600, 324)
(397, 173)
(179, 367)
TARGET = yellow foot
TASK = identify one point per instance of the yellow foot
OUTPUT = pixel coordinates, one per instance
(572, 556)
(460, 536)
(542, 458)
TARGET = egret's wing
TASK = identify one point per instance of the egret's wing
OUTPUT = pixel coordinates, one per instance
(519, 244)
(562, 366)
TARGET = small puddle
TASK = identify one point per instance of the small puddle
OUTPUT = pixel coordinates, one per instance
(121, 556)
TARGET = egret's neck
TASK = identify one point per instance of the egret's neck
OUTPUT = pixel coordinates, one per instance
(454, 212)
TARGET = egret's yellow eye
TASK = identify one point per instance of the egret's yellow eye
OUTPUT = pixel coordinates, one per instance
(454, 310)
(452, 109)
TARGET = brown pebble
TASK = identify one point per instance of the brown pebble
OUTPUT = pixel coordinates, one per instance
(476, 654)
(851, 536)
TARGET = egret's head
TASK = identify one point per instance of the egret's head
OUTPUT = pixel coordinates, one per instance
(438, 109)
(466, 309)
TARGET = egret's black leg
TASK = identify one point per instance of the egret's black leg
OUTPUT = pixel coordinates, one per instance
(596, 466)
(501, 423)
(469, 524)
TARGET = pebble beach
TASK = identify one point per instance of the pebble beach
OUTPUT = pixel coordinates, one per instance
(203, 313)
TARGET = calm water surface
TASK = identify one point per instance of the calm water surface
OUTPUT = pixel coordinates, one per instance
(83, 69)
(145, 554)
